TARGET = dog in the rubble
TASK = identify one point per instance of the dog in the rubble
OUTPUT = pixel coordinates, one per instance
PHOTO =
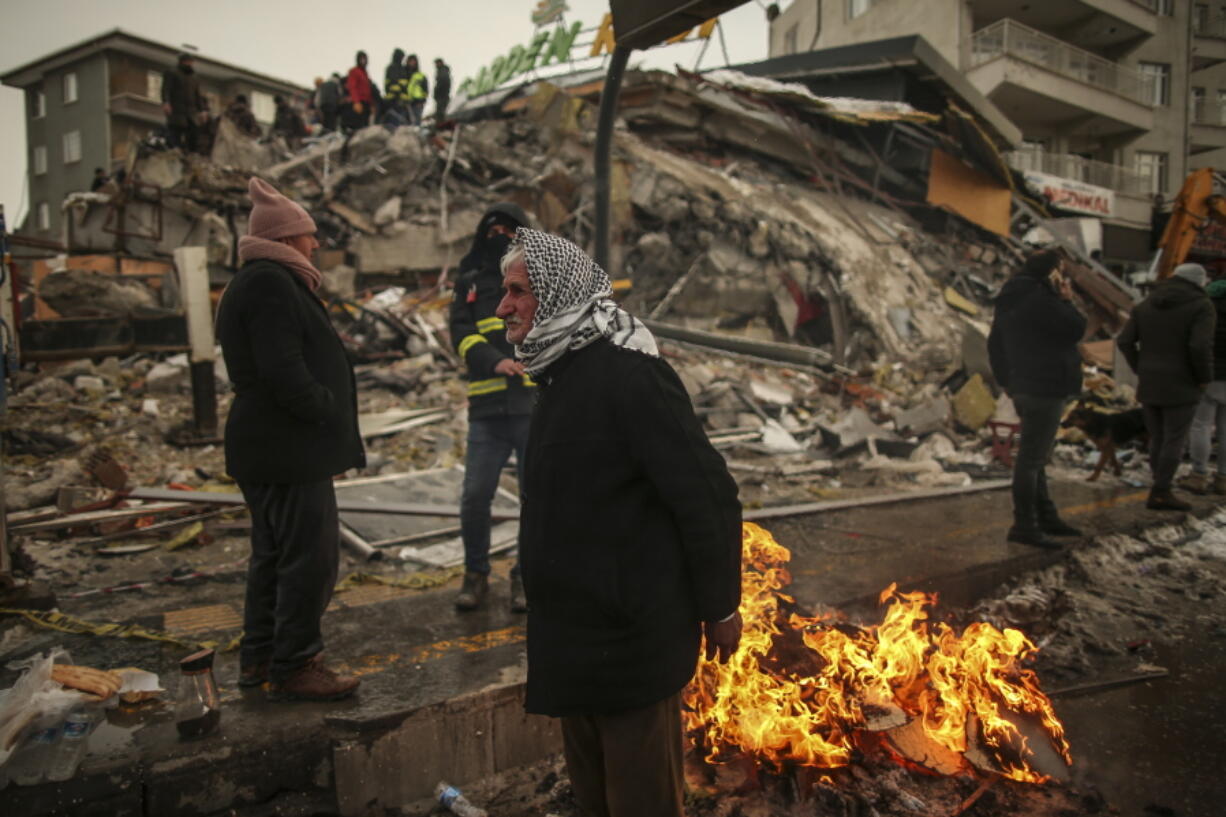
(1108, 431)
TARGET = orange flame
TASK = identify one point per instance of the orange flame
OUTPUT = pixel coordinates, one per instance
(797, 689)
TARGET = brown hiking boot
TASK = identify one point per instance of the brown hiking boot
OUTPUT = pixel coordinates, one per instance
(519, 601)
(253, 675)
(472, 594)
(1195, 483)
(1166, 501)
(313, 682)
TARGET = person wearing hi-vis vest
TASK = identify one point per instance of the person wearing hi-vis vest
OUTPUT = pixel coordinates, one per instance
(500, 397)
(418, 89)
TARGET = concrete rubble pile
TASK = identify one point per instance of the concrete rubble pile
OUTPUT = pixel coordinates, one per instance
(852, 336)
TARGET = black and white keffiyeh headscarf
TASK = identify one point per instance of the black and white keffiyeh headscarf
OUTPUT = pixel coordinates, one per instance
(574, 303)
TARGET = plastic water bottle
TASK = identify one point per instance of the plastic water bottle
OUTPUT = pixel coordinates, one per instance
(456, 803)
(29, 765)
(71, 747)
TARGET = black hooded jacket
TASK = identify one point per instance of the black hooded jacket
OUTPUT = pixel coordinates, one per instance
(1033, 343)
(477, 334)
(1168, 342)
(396, 77)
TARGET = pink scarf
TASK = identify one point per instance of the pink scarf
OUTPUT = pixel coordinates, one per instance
(251, 248)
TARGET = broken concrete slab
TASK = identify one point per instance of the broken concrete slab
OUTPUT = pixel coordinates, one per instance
(924, 418)
(412, 247)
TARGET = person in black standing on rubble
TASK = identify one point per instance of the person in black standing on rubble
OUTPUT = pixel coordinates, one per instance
(292, 427)
(186, 109)
(442, 89)
(395, 88)
(500, 397)
(1033, 353)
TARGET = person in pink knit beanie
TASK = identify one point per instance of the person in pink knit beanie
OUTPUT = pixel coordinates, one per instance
(292, 426)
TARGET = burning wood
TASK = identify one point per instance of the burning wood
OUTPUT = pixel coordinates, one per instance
(811, 691)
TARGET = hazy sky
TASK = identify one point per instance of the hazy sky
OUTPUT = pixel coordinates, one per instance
(303, 39)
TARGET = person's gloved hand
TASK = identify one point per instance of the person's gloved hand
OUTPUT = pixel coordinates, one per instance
(357, 107)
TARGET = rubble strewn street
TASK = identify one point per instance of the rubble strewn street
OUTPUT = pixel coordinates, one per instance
(829, 324)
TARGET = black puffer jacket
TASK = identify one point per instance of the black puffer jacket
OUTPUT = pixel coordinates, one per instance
(630, 535)
(1217, 294)
(477, 334)
(1168, 342)
(294, 417)
(1032, 347)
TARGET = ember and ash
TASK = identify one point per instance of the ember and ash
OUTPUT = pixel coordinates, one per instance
(815, 691)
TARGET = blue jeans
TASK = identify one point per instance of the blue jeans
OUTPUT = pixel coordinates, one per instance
(1211, 412)
(490, 443)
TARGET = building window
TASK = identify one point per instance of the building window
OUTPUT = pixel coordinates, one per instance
(1219, 117)
(72, 147)
(857, 7)
(1165, 8)
(44, 217)
(1197, 104)
(40, 160)
(789, 39)
(38, 101)
(1153, 169)
(70, 87)
(1200, 17)
(1159, 74)
(153, 85)
(263, 107)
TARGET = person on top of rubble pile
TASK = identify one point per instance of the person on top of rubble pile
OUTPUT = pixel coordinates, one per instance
(1168, 342)
(1032, 349)
(328, 101)
(395, 90)
(186, 109)
(417, 90)
(1211, 411)
(292, 427)
(287, 123)
(239, 112)
(100, 179)
(500, 397)
(442, 89)
(630, 532)
(361, 101)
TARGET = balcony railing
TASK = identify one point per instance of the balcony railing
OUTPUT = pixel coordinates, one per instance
(1089, 171)
(1011, 38)
(1205, 112)
(1212, 27)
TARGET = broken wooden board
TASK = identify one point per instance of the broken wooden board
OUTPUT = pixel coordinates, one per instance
(912, 742)
(355, 219)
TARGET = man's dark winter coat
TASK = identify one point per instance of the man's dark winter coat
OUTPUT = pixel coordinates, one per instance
(1032, 347)
(1168, 342)
(477, 334)
(294, 415)
(1219, 337)
(181, 90)
(630, 534)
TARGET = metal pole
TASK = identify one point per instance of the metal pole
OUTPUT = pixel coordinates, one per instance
(604, 143)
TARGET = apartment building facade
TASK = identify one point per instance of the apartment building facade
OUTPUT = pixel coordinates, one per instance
(1121, 98)
(87, 104)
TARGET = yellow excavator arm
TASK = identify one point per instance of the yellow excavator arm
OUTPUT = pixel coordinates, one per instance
(1195, 207)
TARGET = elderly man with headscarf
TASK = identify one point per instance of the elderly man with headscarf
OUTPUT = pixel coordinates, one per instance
(292, 427)
(1168, 342)
(630, 532)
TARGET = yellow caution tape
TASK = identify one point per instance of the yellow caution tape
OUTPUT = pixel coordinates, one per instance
(185, 536)
(414, 581)
(78, 626)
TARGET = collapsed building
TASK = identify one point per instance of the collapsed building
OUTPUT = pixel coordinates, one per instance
(820, 270)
